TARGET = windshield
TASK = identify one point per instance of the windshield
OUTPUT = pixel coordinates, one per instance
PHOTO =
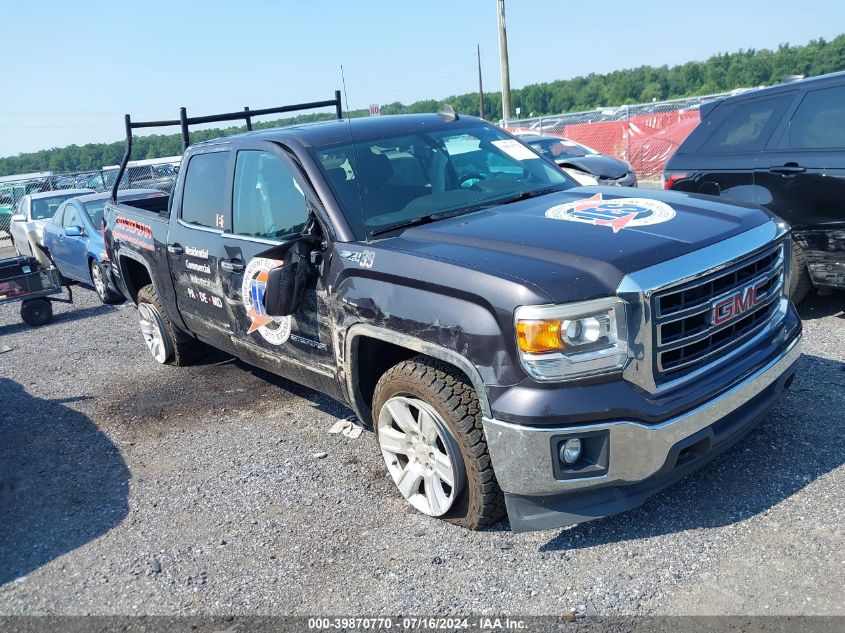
(389, 181)
(43, 208)
(559, 148)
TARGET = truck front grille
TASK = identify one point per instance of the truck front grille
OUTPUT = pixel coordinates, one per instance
(698, 321)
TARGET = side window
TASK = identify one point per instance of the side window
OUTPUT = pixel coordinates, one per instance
(268, 202)
(819, 122)
(71, 216)
(747, 127)
(203, 199)
(57, 219)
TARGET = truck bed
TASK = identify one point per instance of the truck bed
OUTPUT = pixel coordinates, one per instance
(158, 205)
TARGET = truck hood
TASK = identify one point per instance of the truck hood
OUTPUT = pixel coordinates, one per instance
(580, 243)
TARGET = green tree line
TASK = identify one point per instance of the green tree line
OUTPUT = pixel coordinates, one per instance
(722, 72)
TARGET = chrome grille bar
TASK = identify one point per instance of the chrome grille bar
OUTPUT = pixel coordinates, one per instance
(686, 330)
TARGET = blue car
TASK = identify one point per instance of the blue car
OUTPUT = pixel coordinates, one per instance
(74, 240)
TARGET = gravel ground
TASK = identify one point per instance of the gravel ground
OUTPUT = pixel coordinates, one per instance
(127, 488)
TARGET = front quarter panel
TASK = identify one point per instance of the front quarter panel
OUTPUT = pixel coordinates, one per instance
(462, 310)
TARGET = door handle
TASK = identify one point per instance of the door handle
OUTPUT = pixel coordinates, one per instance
(788, 170)
(175, 249)
(232, 265)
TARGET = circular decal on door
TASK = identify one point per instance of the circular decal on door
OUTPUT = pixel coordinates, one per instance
(274, 330)
(617, 213)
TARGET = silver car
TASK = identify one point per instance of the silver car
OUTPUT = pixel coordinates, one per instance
(37, 209)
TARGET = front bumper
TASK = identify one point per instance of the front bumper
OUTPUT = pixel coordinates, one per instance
(631, 460)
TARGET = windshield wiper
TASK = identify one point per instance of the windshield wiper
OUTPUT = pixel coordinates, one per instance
(525, 195)
(433, 217)
(417, 221)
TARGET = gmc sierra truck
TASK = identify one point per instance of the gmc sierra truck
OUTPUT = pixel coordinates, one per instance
(518, 343)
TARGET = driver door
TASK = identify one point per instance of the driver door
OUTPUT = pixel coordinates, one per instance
(269, 209)
(71, 253)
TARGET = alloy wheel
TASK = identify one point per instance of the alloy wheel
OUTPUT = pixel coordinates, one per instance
(98, 280)
(150, 323)
(421, 454)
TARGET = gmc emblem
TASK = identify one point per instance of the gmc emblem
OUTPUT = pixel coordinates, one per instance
(730, 307)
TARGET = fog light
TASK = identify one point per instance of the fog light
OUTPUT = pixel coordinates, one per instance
(570, 452)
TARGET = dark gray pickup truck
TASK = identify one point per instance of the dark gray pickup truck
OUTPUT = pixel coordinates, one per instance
(518, 343)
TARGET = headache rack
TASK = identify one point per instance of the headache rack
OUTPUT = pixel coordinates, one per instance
(184, 121)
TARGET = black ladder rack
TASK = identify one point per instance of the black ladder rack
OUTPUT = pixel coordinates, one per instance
(184, 121)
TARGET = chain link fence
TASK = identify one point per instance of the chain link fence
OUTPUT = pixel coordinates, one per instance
(157, 174)
(645, 134)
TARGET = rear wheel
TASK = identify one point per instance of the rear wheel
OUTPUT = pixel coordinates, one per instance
(36, 311)
(100, 282)
(799, 280)
(166, 343)
(428, 425)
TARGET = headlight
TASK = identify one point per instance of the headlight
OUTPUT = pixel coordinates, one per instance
(787, 265)
(575, 340)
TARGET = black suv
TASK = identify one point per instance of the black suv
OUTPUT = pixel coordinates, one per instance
(784, 148)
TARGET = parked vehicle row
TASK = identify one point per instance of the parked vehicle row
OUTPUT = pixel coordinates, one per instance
(73, 240)
(37, 209)
(143, 174)
(519, 343)
(783, 148)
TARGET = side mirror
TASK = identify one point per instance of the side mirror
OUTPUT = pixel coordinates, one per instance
(18, 218)
(73, 231)
(282, 295)
(286, 283)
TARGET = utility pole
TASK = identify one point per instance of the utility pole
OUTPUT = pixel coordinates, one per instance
(480, 87)
(503, 61)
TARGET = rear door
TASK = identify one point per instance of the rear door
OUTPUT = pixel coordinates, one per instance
(801, 175)
(725, 159)
(201, 205)
(270, 207)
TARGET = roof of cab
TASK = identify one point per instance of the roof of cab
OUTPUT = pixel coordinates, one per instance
(59, 192)
(324, 133)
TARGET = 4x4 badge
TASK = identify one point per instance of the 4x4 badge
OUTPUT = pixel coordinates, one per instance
(617, 213)
(364, 258)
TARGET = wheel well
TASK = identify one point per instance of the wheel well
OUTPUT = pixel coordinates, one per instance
(135, 276)
(374, 357)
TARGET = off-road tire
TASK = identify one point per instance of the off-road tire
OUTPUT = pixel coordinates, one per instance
(181, 349)
(447, 390)
(36, 312)
(799, 281)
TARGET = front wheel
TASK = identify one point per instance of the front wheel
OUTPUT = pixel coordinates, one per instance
(428, 425)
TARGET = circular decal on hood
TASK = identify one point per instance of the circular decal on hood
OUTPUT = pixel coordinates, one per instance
(274, 330)
(617, 213)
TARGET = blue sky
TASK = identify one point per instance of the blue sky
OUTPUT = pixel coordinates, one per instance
(71, 70)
